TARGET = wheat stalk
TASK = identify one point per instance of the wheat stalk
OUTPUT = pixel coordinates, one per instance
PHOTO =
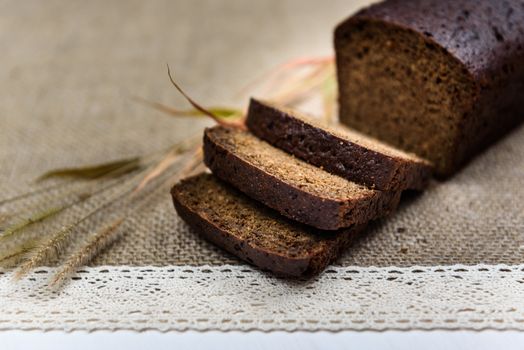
(55, 244)
(98, 242)
(170, 158)
(86, 192)
(238, 123)
(103, 238)
(18, 255)
(19, 228)
(31, 220)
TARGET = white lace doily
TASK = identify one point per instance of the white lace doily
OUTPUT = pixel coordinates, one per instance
(241, 298)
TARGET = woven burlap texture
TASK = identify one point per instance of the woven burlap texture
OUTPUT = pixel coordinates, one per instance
(69, 69)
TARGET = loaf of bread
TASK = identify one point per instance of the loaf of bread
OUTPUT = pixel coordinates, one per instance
(289, 185)
(337, 149)
(442, 79)
(253, 232)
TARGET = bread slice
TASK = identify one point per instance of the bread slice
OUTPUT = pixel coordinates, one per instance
(253, 232)
(338, 149)
(289, 185)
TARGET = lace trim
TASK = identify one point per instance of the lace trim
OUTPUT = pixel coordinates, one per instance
(241, 298)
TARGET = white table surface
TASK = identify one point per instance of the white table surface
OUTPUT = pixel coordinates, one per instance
(463, 340)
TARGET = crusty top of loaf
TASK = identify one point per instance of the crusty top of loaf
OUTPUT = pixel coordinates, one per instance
(483, 34)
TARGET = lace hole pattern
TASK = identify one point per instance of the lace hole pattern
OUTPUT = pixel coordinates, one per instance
(241, 298)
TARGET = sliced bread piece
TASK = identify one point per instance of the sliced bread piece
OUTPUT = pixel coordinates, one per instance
(253, 232)
(289, 185)
(338, 149)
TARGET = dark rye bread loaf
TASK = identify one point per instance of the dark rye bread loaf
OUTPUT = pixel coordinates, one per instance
(440, 78)
(338, 149)
(289, 185)
(253, 232)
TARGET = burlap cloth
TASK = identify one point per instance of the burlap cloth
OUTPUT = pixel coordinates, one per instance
(69, 69)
